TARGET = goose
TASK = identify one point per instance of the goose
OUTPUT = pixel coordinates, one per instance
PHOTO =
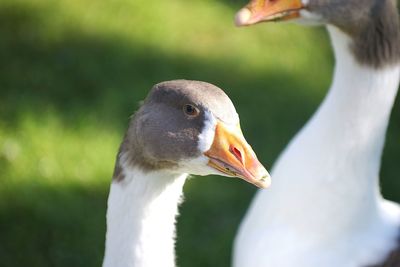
(183, 127)
(325, 208)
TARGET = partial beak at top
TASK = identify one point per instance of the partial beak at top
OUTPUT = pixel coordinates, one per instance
(268, 10)
(231, 155)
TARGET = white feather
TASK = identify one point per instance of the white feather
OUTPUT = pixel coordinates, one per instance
(325, 208)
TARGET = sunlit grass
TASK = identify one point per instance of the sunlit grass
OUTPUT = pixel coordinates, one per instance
(57, 153)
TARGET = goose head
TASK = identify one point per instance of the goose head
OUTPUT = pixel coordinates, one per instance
(372, 25)
(190, 127)
(348, 15)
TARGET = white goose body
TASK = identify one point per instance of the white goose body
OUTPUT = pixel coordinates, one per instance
(325, 208)
(183, 127)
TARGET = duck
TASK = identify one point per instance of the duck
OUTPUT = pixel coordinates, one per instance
(325, 207)
(182, 127)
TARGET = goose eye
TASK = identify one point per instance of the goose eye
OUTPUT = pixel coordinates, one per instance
(191, 110)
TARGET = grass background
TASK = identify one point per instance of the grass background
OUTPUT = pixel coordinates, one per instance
(72, 72)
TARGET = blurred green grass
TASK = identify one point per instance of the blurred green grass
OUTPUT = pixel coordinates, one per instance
(72, 72)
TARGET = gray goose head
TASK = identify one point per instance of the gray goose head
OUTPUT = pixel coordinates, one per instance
(189, 127)
(373, 25)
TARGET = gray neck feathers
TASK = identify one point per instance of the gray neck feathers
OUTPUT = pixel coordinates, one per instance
(377, 39)
(131, 154)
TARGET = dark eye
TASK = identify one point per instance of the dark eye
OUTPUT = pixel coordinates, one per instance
(191, 110)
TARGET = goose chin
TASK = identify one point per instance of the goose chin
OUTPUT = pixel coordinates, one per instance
(261, 180)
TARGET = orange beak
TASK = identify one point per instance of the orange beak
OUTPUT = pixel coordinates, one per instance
(268, 10)
(231, 155)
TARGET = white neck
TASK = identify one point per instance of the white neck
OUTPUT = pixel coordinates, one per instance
(141, 219)
(336, 156)
(325, 190)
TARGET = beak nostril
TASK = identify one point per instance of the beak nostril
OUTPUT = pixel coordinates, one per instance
(237, 153)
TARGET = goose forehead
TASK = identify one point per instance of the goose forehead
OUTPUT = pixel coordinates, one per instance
(204, 95)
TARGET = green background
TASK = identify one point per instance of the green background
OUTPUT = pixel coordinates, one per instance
(73, 71)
